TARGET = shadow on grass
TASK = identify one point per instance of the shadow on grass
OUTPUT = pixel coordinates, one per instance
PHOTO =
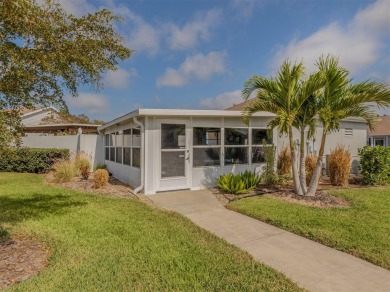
(35, 206)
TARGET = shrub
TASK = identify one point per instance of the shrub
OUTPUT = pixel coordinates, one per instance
(269, 176)
(250, 179)
(310, 164)
(284, 161)
(238, 184)
(81, 164)
(375, 165)
(339, 166)
(64, 170)
(100, 178)
(231, 184)
(32, 160)
(84, 171)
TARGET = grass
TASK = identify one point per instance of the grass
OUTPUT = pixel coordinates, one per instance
(114, 244)
(362, 230)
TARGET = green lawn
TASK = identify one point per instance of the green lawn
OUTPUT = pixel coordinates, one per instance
(115, 244)
(362, 230)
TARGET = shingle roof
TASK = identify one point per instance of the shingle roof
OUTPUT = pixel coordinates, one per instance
(382, 128)
(240, 106)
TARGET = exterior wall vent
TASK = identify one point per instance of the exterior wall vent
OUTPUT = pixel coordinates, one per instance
(348, 132)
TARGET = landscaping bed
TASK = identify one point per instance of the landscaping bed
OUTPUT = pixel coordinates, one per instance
(112, 243)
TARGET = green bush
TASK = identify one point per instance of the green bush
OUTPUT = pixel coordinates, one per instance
(238, 184)
(33, 160)
(375, 165)
(250, 179)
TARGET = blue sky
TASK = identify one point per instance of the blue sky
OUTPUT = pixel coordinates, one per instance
(197, 54)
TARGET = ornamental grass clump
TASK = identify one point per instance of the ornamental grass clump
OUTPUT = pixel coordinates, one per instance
(339, 166)
(82, 165)
(310, 164)
(284, 162)
(100, 178)
(64, 170)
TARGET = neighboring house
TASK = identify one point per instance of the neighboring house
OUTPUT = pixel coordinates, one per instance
(41, 132)
(34, 124)
(169, 149)
(381, 135)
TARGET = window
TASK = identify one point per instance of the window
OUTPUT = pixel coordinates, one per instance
(206, 147)
(126, 147)
(379, 142)
(259, 136)
(109, 141)
(236, 146)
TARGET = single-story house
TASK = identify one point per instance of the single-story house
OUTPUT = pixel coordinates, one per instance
(34, 124)
(159, 150)
(381, 135)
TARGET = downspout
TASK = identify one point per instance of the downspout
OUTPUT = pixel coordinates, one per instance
(142, 166)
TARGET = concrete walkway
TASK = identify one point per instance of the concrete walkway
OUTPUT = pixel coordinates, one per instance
(312, 265)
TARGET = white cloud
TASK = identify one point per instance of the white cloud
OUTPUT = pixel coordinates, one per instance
(358, 44)
(143, 36)
(192, 32)
(119, 78)
(90, 102)
(223, 100)
(199, 66)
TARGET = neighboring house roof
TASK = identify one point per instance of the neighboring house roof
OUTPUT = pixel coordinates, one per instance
(60, 127)
(382, 128)
(240, 106)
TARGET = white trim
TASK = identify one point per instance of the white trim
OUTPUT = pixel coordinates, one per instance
(193, 113)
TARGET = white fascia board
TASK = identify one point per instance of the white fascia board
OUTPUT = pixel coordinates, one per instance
(198, 113)
(192, 113)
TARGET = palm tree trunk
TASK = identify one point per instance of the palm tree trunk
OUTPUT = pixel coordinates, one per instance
(311, 191)
(297, 185)
(302, 166)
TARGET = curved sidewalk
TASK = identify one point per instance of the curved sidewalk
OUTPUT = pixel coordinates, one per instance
(313, 266)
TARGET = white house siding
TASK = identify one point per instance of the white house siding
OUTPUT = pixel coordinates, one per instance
(353, 142)
(199, 177)
(91, 145)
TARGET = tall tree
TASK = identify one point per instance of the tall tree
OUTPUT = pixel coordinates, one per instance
(341, 99)
(44, 51)
(284, 96)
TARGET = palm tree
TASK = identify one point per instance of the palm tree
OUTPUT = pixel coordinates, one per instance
(341, 99)
(286, 96)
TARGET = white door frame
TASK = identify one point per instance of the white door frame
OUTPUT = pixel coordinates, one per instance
(174, 183)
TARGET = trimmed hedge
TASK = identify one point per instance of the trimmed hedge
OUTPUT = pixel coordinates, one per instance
(375, 165)
(33, 160)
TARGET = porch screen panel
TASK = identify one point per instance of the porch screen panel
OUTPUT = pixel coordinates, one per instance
(236, 146)
(206, 147)
(259, 136)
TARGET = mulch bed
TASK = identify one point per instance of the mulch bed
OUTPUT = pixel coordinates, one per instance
(322, 199)
(115, 188)
(20, 259)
